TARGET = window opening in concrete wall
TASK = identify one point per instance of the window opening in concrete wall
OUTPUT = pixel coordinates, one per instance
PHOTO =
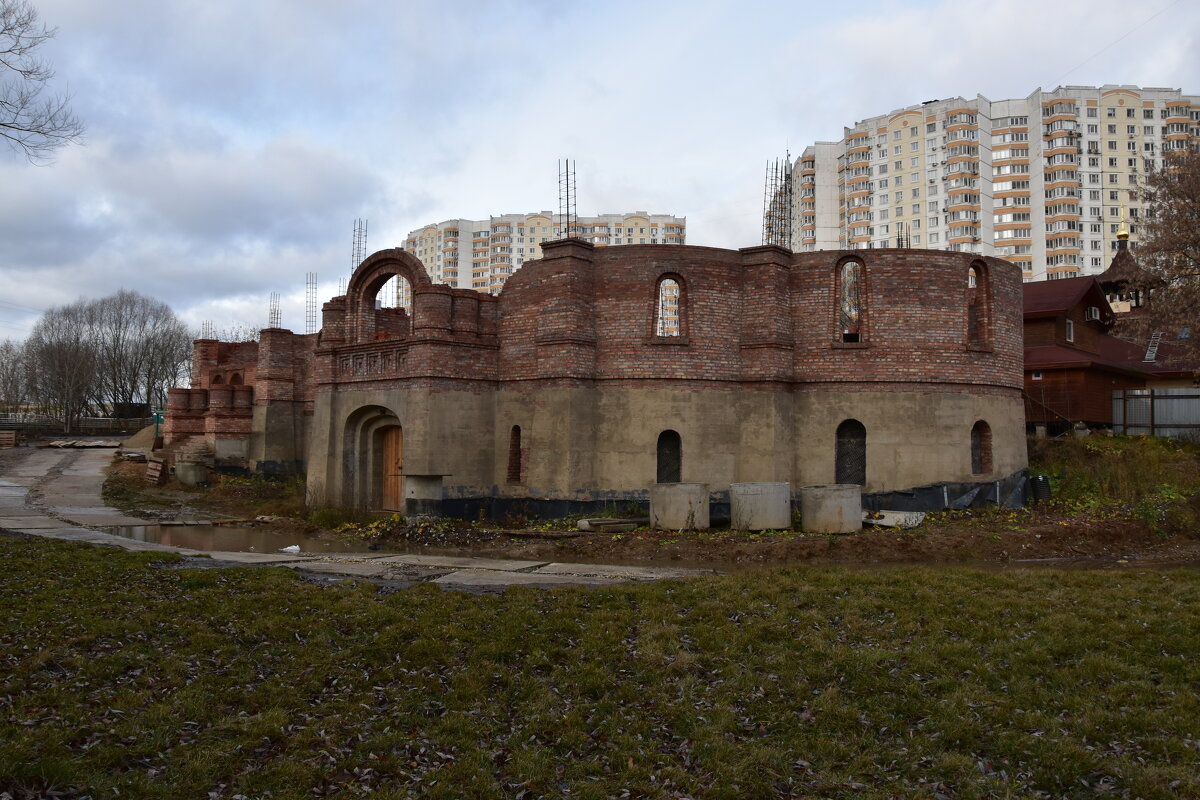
(850, 301)
(396, 293)
(668, 309)
(514, 454)
(850, 460)
(981, 448)
(670, 457)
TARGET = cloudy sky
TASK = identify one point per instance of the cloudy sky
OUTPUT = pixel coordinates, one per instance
(231, 145)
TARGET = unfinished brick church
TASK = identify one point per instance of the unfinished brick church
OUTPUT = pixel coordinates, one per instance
(598, 372)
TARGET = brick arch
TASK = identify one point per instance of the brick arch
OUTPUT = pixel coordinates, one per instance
(369, 278)
(377, 268)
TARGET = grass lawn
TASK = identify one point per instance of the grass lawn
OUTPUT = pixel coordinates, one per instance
(122, 679)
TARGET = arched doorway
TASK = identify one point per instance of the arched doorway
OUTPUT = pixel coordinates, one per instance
(850, 458)
(373, 460)
(670, 457)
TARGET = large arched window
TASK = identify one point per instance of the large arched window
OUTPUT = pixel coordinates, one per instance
(851, 308)
(979, 308)
(981, 448)
(850, 458)
(668, 306)
(670, 457)
(514, 454)
(396, 293)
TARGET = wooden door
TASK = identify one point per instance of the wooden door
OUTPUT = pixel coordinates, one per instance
(392, 493)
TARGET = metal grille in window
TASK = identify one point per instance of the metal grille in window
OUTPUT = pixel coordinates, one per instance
(670, 459)
(514, 455)
(851, 456)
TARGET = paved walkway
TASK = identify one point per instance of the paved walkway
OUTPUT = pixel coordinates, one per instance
(55, 493)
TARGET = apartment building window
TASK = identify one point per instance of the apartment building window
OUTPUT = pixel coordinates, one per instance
(1111, 112)
(1091, 112)
(1112, 129)
(1129, 112)
(1148, 113)
(931, 127)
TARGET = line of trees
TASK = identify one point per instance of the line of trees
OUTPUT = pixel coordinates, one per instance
(96, 357)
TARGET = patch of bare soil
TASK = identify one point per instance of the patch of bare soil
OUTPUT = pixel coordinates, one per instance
(962, 539)
(1037, 535)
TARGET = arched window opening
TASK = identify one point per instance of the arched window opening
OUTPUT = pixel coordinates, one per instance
(396, 293)
(981, 448)
(978, 309)
(235, 379)
(850, 302)
(850, 458)
(514, 454)
(668, 308)
(217, 380)
(670, 457)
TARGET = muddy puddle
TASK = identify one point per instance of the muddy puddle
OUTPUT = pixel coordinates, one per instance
(235, 539)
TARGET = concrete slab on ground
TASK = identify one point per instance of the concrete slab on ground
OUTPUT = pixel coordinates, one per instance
(363, 569)
(619, 571)
(487, 577)
(99, 519)
(30, 522)
(253, 558)
(95, 537)
(463, 562)
(22, 512)
(11, 501)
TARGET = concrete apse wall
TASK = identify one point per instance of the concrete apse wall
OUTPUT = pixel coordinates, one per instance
(766, 365)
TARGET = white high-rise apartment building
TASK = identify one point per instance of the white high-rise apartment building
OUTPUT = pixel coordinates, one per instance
(481, 254)
(1043, 181)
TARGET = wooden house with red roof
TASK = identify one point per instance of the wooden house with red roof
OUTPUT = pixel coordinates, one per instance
(1072, 363)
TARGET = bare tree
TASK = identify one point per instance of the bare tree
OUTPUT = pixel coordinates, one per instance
(1169, 256)
(12, 376)
(61, 361)
(32, 121)
(105, 355)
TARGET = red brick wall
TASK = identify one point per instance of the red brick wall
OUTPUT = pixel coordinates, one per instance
(756, 314)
